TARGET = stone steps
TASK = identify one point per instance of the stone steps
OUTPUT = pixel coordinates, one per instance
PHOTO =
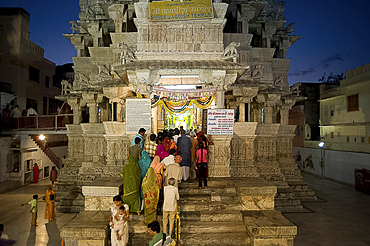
(215, 216)
(212, 239)
(69, 197)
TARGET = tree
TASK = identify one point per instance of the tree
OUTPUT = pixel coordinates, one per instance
(332, 79)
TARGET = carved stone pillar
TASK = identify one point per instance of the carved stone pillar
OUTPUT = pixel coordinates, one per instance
(286, 105)
(265, 154)
(219, 156)
(92, 100)
(116, 13)
(242, 150)
(220, 98)
(242, 112)
(247, 13)
(268, 101)
(76, 107)
(117, 147)
(95, 149)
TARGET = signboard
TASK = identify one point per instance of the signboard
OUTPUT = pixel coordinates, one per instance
(187, 10)
(220, 121)
(137, 115)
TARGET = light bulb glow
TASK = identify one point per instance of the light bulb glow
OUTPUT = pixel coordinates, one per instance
(41, 137)
(321, 145)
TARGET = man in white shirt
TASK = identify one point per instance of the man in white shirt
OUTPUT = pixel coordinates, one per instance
(31, 112)
(3, 235)
(171, 196)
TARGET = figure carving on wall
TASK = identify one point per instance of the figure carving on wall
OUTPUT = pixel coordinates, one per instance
(83, 79)
(280, 81)
(127, 55)
(66, 87)
(75, 26)
(231, 51)
(257, 72)
(102, 69)
(289, 29)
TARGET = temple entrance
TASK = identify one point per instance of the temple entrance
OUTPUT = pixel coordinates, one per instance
(180, 101)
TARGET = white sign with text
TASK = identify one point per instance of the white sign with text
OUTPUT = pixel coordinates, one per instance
(137, 115)
(220, 121)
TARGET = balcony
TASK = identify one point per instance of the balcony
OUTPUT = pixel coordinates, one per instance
(41, 122)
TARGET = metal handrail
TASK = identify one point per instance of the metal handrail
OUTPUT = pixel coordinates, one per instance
(38, 122)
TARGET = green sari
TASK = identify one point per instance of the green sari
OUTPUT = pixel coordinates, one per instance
(151, 196)
(131, 185)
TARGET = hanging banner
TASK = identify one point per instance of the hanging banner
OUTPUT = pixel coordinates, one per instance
(183, 94)
(137, 115)
(187, 10)
(220, 121)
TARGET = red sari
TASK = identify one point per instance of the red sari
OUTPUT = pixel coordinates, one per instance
(36, 172)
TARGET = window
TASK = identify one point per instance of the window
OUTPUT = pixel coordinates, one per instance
(34, 74)
(352, 103)
(347, 139)
(362, 139)
(47, 81)
(338, 134)
(298, 130)
(331, 134)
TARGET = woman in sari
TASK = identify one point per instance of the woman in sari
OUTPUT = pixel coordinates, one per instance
(160, 150)
(144, 164)
(50, 203)
(158, 170)
(131, 185)
(36, 172)
(167, 144)
(151, 195)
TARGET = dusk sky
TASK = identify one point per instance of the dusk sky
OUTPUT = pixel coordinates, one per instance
(335, 34)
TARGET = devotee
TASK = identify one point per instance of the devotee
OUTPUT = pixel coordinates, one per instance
(16, 112)
(161, 153)
(159, 239)
(2, 234)
(34, 209)
(31, 112)
(173, 169)
(36, 172)
(144, 164)
(131, 185)
(53, 175)
(151, 146)
(141, 136)
(183, 149)
(202, 163)
(171, 196)
(177, 133)
(120, 226)
(135, 150)
(50, 203)
(151, 195)
(118, 202)
(194, 144)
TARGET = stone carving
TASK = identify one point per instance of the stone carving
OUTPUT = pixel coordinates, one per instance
(280, 81)
(83, 79)
(289, 29)
(257, 72)
(103, 70)
(75, 26)
(230, 51)
(66, 87)
(127, 55)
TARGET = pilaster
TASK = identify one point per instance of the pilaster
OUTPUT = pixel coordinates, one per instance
(219, 156)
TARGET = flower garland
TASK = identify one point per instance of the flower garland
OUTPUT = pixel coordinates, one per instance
(175, 107)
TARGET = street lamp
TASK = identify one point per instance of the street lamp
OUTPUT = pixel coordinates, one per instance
(41, 137)
(322, 155)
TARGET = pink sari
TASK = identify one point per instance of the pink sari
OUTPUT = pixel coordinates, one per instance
(158, 169)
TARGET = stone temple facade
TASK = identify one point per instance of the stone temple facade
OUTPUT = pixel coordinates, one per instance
(240, 51)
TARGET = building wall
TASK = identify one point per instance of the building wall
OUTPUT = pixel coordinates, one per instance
(342, 129)
(338, 165)
(297, 117)
(19, 53)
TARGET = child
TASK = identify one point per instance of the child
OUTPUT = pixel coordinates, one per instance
(202, 157)
(120, 224)
(33, 204)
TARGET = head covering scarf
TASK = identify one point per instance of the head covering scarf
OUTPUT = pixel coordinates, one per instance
(200, 134)
(167, 144)
(151, 196)
(158, 169)
(144, 164)
(131, 184)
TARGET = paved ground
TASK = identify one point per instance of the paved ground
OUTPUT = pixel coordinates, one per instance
(341, 216)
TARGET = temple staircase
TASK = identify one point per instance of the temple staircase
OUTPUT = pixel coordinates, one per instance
(47, 151)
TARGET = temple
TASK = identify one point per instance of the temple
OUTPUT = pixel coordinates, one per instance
(227, 55)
